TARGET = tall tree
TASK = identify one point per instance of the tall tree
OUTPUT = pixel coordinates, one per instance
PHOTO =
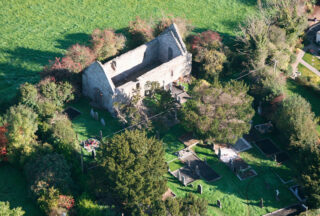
(219, 112)
(6, 211)
(134, 166)
(22, 125)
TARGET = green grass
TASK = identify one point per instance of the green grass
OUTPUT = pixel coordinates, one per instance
(33, 32)
(14, 189)
(86, 127)
(312, 60)
(176, 164)
(312, 77)
(238, 197)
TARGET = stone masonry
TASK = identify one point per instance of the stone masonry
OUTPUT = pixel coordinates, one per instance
(165, 59)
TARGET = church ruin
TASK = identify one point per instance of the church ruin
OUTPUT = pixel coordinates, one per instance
(165, 59)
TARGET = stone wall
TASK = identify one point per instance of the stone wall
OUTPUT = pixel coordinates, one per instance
(94, 78)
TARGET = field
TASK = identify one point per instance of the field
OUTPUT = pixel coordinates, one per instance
(311, 77)
(34, 32)
(13, 189)
(312, 60)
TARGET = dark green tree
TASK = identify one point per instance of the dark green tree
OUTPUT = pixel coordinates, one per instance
(219, 112)
(134, 167)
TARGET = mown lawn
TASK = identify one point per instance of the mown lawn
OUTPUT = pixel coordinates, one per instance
(87, 127)
(312, 77)
(33, 32)
(312, 60)
(14, 189)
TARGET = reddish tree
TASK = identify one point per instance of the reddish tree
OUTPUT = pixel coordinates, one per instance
(204, 39)
(3, 143)
(141, 29)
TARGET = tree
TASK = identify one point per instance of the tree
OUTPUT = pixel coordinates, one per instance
(219, 112)
(29, 95)
(184, 25)
(3, 143)
(142, 30)
(210, 52)
(296, 120)
(135, 170)
(22, 126)
(6, 211)
(106, 43)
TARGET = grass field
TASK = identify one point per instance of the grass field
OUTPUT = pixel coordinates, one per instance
(13, 188)
(312, 60)
(33, 32)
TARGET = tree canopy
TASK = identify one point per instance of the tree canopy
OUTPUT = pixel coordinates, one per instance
(219, 112)
(6, 211)
(134, 167)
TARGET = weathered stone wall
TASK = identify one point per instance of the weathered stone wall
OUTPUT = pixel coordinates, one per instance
(168, 44)
(94, 78)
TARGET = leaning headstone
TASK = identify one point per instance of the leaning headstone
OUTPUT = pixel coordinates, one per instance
(103, 122)
(200, 189)
(261, 203)
(93, 153)
(184, 180)
(219, 204)
(92, 113)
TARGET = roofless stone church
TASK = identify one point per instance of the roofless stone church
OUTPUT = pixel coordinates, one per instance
(165, 59)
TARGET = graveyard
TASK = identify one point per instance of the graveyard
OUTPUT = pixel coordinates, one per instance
(218, 181)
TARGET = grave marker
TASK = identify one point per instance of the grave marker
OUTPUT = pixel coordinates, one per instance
(219, 204)
(200, 189)
(197, 170)
(92, 113)
(261, 203)
(96, 116)
(184, 180)
(103, 122)
(219, 152)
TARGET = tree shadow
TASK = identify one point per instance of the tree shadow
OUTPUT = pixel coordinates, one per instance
(74, 38)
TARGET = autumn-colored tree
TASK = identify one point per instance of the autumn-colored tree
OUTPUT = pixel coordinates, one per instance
(3, 143)
(142, 30)
(184, 25)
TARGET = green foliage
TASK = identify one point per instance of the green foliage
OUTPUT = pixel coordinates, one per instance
(219, 112)
(296, 120)
(28, 95)
(192, 205)
(64, 137)
(6, 211)
(49, 200)
(49, 170)
(22, 126)
(87, 207)
(106, 43)
(135, 171)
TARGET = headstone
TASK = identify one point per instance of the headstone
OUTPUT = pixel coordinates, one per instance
(197, 170)
(205, 160)
(103, 122)
(179, 175)
(275, 158)
(101, 135)
(261, 203)
(96, 116)
(213, 146)
(189, 163)
(184, 180)
(277, 194)
(219, 204)
(93, 152)
(200, 189)
(92, 113)
(219, 152)
(296, 192)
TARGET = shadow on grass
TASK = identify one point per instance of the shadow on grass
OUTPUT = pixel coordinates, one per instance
(74, 38)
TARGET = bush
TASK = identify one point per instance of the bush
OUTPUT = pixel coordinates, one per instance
(87, 207)
(6, 211)
(184, 25)
(141, 30)
(63, 135)
(29, 95)
(77, 58)
(106, 43)
(22, 125)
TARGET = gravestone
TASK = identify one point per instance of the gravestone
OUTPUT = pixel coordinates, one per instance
(197, 170)
(184, 180)
(100, 135)
(205, 161)
(93, 154)
(231, 163)
(189, 163)
(96, 116)
(179, 175)
(92, 113)
(103, 122)
(277, 194)
(219, 204)
(213, 146)
(200, 189)
(261, 203)
(219, 152)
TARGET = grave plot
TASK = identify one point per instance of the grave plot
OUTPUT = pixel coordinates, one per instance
(71, 112)
(267, 147)
(242, 145)
(194, 169)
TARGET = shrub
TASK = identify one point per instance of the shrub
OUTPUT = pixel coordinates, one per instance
(87, 207)
(22, 126)
(3, 143)
(63, 134)
(77, 58)
(6, 211)
(203, 39)
(184, 25)
(142, 30)
(28, 95)
(106, 43)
